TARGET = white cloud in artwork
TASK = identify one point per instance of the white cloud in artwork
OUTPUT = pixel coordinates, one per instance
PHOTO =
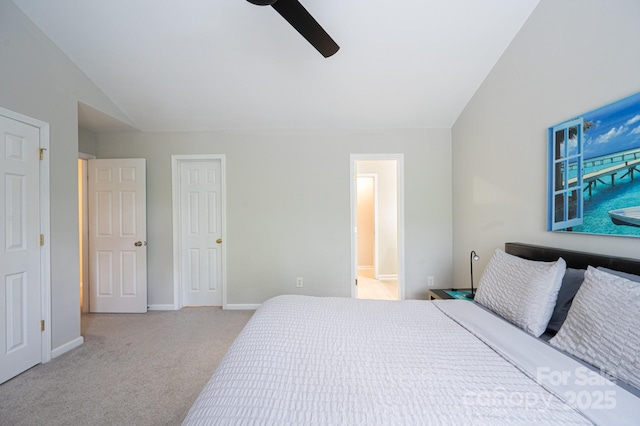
(606, 137)
(636, 131)
(633, 120)
(573, 143)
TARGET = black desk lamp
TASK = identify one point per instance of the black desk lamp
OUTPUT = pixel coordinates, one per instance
(472, 257)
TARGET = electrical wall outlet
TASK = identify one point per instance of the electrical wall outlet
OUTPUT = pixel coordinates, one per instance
(299, 282)
(431, 281)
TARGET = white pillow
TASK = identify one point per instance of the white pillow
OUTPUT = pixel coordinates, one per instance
(603, 325)
(522, 291)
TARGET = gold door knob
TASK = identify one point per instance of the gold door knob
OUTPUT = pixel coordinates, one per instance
(219, 241)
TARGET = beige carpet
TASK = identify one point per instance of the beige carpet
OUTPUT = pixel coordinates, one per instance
(133, 369)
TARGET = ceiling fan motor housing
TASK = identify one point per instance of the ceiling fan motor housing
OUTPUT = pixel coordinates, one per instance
(262, 2)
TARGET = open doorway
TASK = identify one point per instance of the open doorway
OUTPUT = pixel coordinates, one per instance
(377, 226)
(83, 231)
(366, 223)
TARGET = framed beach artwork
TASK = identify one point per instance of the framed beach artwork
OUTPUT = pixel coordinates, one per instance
(594, 171)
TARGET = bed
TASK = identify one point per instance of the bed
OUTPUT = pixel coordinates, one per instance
(329, 361)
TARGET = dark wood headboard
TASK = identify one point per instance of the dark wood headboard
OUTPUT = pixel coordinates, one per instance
(574, 259)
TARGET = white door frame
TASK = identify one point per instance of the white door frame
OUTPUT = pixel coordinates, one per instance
(45, 228)
(354, 220)
(176, 161)
(374, 177)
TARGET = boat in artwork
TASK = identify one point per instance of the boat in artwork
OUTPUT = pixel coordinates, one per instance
(628, 216)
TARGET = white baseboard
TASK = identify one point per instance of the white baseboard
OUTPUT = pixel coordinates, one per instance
(67, 347)
(229, 306)
(167, 307)
(242, 306)
(390, 277)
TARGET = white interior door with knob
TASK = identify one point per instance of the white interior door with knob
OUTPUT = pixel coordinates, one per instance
(117, 235)
(201, 232)
(20, 293)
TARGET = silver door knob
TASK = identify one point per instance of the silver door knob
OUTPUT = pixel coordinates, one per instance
(138, 244)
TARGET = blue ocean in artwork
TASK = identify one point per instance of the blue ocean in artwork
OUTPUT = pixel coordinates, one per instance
(611, 138)
(605, 197)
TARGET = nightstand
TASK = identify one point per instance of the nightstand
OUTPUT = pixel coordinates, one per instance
(449, 293)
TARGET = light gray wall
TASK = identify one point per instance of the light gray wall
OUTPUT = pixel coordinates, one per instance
(38, 80)
(571, 57)
(86, 141)
(288, 211)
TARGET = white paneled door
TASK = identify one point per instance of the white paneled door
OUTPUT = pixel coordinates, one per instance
(20, 296)
(117, 235)
(201, 235)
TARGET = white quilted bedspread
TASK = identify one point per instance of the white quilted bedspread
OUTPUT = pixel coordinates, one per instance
(329, 361)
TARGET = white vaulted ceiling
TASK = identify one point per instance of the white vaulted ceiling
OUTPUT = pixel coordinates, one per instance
(228, 64)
